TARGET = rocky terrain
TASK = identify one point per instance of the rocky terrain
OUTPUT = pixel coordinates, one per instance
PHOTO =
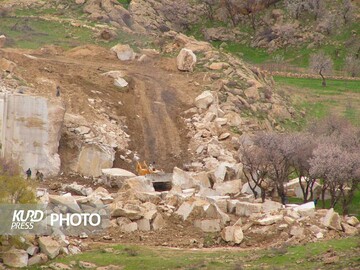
(173, 100)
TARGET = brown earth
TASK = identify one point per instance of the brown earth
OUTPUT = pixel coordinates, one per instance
(152, 104)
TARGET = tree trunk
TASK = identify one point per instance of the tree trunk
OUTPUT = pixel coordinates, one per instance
(323, 198)
(323, 78)
(262, 194)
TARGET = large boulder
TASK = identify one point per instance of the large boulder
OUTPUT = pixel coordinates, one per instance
(182, 179)
(78, 189)
(208, 225)
(232, 234)
(349, 230)
(158, 222)
(245, 209)
(126, 225)
(7, 65)
(332, 220)
(353, 221)
(66, 200)
(114, 177)
(228, 187)
(130, 211)
(123, 52)
(40, 258)
(49, 246)
(138, 184)
(204, 100)
(306, 209)
(186, 60)
(93, 158)
(270, 206)
(15, 258)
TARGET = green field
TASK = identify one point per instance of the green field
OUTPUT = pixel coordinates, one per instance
(310, 256)
(340, 97)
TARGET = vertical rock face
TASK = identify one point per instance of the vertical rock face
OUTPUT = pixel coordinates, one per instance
(30, 131)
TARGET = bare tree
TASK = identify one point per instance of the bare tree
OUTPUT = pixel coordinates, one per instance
(339, 171)
(277, 150)
(304, 144)
(321, 64)
(255, 168)
(352, 66)
(336, 159)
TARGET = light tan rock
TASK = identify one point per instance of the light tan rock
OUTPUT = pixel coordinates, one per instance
(353, 221)
(228, 187)
(38, 259)
(269, 220)
(143, 224)
(204, 100)
(245, 209)
(66, 200)
(208, 225)
(218, 65)
(182, 179)
(332, 220)
(123, 52)
(49, 246)
(349, 230)
(2, 41)
(7, 65)
(186, 60)
(15, 258)
(158, 222)
(232, 234)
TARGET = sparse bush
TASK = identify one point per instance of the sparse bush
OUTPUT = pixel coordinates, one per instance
(14, 188)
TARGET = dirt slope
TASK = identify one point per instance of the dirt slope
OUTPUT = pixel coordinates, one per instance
(149, 109)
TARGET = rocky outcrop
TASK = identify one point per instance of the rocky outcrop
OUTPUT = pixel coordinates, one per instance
(87, 148)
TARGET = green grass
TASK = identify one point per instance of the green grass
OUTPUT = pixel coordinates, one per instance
(333, 86)
(294, 257)
(125, 3)
(339, 96)
(33, 33)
